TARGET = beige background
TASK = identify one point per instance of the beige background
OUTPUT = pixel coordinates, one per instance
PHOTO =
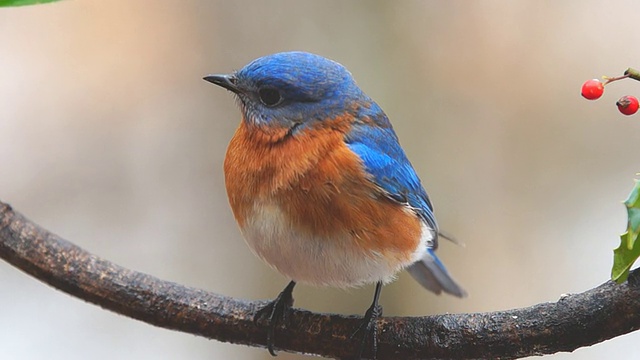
(109, 137)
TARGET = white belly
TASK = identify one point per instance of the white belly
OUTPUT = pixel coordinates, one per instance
(309, 259)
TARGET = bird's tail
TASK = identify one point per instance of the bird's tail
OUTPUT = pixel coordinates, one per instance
(431, 273)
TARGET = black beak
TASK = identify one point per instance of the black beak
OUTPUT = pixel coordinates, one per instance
(226, 81)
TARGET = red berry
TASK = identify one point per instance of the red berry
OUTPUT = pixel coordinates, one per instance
(592, 89)
(628, 105)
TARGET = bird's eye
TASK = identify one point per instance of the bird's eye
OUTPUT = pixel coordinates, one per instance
(270, 96)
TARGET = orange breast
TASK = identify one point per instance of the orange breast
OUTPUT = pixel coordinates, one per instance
(320, 186)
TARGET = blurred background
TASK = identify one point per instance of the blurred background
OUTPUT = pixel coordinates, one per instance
(109, 138)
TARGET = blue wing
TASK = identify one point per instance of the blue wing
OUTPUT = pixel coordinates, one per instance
(377, 145)
(375, 142)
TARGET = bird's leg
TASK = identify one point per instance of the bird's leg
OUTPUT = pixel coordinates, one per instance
(276, 310)
(368, 325)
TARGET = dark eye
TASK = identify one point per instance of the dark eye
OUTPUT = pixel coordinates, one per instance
(270, 96)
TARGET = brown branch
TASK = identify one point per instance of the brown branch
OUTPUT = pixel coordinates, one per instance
(574, 321)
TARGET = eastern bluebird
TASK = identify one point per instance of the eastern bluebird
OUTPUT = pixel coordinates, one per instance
(320, 187)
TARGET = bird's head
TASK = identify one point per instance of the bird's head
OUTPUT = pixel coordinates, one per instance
(291, 90)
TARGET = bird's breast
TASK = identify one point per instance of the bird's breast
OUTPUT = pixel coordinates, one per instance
(307, 207)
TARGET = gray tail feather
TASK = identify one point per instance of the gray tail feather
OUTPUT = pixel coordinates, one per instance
(432, 274)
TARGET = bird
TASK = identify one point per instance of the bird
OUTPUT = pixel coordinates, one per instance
(320, 187)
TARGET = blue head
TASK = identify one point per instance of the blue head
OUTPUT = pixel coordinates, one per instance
(292, 89)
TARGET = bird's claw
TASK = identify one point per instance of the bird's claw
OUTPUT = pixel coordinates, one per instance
(276, 312)
(370, 331)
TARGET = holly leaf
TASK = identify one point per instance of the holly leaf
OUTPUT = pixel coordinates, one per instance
(629, 250)
(23, 2)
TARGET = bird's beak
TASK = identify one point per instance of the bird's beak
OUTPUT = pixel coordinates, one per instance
(228, 82)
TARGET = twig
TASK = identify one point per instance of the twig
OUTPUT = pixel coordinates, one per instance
(574, 321)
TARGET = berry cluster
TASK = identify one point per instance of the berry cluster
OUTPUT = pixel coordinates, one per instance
(594, 88)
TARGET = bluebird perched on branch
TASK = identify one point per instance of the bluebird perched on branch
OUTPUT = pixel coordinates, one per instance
(320, 187)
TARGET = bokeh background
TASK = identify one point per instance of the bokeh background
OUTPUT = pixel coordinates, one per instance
(109, 138)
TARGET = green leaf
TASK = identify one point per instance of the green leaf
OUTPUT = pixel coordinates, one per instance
(23, 2)
(623, 259)
(628, 251)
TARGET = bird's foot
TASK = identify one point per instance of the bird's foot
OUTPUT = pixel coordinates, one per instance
(369, 331)
(276, 312)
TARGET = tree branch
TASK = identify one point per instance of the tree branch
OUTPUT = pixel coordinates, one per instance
(574, 321)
